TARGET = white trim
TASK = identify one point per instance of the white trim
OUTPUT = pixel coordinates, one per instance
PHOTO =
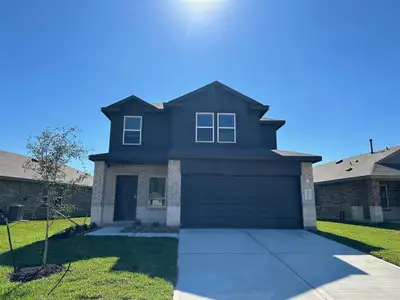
(223, 127)
(212, 127)
(387, 195)
(140, 130)
(165, 192)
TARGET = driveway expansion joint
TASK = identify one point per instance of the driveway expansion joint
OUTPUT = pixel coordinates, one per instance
(317, 290)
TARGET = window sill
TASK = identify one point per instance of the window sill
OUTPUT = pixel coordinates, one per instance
(156, 207)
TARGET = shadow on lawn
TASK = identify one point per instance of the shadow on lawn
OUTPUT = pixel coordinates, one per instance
(384, 225)
(151, 256)
(366, 248)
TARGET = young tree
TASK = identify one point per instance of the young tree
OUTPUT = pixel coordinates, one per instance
(50, 153)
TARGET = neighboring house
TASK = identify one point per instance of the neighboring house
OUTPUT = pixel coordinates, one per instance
(18, 186)
(360, 188)
(205, 159)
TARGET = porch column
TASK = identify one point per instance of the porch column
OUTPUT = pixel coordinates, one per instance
(174, 193)
(307, 196)
(374, 200)
(96, 211)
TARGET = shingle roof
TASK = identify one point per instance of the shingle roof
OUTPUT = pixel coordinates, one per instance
(357, 166)
(11, 167)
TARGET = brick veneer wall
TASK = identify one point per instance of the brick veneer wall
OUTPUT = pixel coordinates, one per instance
(332, 198)
(28, 194)
(307, 196)
(104, 192)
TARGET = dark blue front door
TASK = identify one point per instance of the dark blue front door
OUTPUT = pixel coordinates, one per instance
(125, 198)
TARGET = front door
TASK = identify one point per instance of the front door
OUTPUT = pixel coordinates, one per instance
(125, 198)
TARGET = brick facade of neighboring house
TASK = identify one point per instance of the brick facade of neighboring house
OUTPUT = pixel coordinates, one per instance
(28, 194)
(20, 187)
(362, 188)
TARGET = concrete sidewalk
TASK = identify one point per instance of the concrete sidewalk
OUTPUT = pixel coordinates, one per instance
(278, 264)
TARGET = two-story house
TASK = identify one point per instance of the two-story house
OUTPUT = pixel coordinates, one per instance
(205, 159)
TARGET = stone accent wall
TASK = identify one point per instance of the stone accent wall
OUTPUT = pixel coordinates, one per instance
(374, 200)
(308, 199)
(174, 193)
(348, 196)
(29, 193)
(100, 169)
(144, 213)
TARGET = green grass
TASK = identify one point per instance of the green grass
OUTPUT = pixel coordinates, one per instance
(102, 267)
(381, 240)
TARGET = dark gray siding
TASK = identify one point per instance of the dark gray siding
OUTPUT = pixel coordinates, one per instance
(268, 136)
(155, 131)
(217, 100)
(240, 167)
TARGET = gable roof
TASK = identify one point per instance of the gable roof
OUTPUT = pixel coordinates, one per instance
(11, 168)
(160, 106)
(357, 166)
(116, 106)
(225, 87)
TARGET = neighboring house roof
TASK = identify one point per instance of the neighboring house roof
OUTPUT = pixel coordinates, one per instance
(11, 167)
(358, 166)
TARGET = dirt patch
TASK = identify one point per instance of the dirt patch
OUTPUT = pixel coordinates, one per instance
(32, 273)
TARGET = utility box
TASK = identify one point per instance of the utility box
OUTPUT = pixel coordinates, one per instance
(15, 213)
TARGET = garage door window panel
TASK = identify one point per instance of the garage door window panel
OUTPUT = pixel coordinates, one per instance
(226, 128)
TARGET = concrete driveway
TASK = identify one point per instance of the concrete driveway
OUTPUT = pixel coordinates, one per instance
(278, 264)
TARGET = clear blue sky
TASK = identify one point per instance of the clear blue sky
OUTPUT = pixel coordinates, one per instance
(330, 68)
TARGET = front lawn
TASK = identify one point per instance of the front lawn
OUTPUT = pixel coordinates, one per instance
(382, 240)
(102, 267)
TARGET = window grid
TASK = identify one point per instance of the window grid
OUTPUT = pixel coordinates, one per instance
(208, 127)
(139, 130)
(227, 127)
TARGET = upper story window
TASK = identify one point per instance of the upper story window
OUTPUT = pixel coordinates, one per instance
(226, 128)
(132, 130)
(204, 127)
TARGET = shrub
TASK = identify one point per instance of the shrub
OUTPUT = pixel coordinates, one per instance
(73, 231)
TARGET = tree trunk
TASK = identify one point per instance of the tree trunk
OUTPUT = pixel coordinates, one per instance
(46, 241)
(11, 246)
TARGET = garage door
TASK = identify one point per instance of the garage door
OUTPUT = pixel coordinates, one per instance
(221, 201)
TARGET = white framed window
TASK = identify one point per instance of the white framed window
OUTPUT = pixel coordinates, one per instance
(132, 130)
(157, 187)
(226, 123)
(204, 127)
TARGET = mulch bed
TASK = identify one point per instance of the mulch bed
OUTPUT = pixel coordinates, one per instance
(149, 229)
(32, 273)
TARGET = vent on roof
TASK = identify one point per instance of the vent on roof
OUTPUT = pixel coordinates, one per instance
(339, 161)
(349, 169)
(356, 160)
